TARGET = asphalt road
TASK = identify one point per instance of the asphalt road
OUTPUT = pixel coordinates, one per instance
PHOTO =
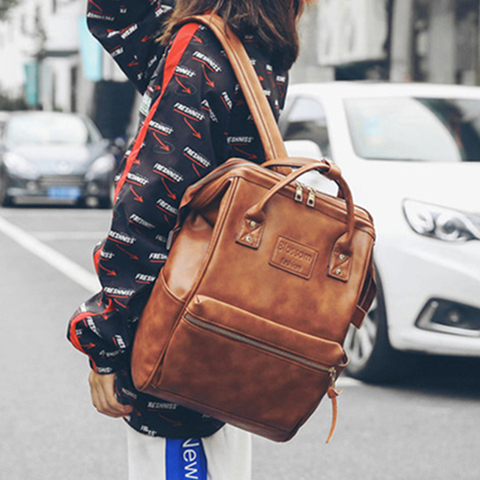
(425, 428)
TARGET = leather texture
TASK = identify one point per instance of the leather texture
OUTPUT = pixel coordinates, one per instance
(247, 319)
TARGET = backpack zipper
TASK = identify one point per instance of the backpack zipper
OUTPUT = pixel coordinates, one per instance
(257, 344)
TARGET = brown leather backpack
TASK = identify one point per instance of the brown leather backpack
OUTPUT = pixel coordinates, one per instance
(247, 318)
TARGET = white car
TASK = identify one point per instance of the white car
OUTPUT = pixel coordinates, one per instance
(411, 155)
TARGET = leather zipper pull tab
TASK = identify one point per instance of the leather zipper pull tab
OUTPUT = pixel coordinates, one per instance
(333, 394)
(299, 194)
(311, 197)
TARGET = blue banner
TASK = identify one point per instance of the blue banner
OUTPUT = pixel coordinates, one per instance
(185, 459)
(91, 52)
(31, 83)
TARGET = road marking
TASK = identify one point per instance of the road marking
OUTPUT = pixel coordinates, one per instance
(70, 269)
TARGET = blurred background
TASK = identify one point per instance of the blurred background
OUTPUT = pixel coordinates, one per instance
(390, 91)
(50, 62)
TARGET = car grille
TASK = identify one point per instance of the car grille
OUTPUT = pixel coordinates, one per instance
(61, 181)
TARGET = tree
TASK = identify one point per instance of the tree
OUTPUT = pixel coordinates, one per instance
(5, 6)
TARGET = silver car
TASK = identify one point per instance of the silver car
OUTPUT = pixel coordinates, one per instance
(51, 157)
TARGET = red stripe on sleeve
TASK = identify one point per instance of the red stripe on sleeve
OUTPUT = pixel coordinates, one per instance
(180, 44)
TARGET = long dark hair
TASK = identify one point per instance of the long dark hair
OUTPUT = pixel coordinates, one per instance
(273, 22)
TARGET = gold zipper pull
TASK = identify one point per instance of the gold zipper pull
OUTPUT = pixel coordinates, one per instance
(333, 394)
(299, 194)
(311, 197)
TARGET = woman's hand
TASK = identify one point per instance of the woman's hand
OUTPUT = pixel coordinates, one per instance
(103, 395)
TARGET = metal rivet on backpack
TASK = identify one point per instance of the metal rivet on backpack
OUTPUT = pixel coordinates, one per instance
(253, 223)
(338, 271)
(249, 239)
(342, 257)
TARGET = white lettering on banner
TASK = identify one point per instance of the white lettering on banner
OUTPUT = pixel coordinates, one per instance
(190, 456)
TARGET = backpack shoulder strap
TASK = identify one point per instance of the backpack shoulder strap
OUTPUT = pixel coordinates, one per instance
(252, 89)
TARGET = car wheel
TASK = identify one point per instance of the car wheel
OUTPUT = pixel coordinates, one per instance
(372, 359)
(5, 200)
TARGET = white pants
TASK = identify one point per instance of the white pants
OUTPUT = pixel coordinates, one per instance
(228, 453)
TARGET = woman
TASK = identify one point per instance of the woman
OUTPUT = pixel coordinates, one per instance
(202, 120)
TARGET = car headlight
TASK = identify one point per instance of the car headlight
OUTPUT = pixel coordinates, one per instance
(103, 164)
(19, 166)
(441, 223)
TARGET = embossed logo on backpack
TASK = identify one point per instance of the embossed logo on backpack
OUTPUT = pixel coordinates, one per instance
(293, 257)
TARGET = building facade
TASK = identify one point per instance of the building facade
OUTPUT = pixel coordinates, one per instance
(434, 41)
(49, 57)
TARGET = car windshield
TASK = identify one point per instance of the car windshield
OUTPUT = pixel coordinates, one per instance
(48, 128)
(415, 129)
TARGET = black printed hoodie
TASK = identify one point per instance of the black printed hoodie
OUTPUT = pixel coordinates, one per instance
(202, 121)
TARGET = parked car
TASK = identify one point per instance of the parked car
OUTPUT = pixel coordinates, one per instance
(411, 154)
(53, 157)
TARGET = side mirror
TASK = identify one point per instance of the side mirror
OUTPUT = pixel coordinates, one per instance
(303, 148)
(309, 149)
